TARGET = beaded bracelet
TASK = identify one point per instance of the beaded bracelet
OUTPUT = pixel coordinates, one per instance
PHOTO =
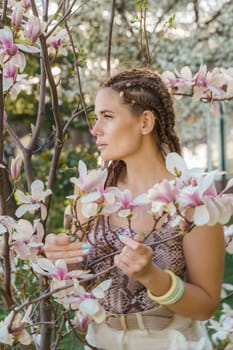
(173, 295)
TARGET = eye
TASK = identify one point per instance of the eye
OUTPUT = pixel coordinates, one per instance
(107, 116)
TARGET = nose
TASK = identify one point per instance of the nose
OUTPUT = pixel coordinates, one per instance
(97, 129)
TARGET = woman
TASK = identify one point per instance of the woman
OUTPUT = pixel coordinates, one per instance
(159, 292)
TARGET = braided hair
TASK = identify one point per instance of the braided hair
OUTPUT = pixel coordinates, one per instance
(142, 89)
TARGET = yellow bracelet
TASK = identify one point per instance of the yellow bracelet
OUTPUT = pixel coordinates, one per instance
(174, 293)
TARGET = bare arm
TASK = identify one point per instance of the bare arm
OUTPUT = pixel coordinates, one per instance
(204, 256)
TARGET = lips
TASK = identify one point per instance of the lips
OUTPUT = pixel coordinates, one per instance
(100, 145)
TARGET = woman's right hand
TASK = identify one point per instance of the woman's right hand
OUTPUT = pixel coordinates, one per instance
(60, 246)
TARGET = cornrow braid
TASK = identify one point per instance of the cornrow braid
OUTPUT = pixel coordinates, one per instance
(143, 89)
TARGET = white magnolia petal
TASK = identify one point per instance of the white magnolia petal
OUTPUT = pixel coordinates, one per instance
(109, 197)
(89, 209)
(5, 336)
(141, 199)
(201, 215)
(206, 182)
(227, 286)
(24, 337)
(99, 316)
(2, 229)
(47, 265)
(212, 209)
(91, 197)
(61, 264)
(82, 169)
(22, 197)
(43, 211)
(124, 213)
(28, 48)
(175, 162)
(229, 248)
(20, 211)
(229, 185)
(90, 306)
(186, 73)
(98, 291)
(25, 226)
(37, 185)
(76, 273)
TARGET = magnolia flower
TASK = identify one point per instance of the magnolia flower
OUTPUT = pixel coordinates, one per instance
(7, 46)
(27, 239)
(5, 337)
(15, 168)
(81, 320)
(34, 29)
(176, 165)
(32, 202)
(58, 270)
(228, 234)
(88, 302)
(102, 200)
(163, 197)
(88, 180)
(128, 203)
(61, 277)
(15, 331)
(17, 15)
(12, 81)
(223, 327)
(7, 224)
(56, 41)
(179, 81)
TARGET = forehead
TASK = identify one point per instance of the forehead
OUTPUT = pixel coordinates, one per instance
(107, 99)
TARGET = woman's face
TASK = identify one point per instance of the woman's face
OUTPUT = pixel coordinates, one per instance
(117, 129)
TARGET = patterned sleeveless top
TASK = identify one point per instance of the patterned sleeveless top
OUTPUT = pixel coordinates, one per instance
(125, 294)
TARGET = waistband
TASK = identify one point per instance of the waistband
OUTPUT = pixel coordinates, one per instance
(154, 319)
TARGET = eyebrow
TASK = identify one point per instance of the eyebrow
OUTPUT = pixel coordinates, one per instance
(105, 111)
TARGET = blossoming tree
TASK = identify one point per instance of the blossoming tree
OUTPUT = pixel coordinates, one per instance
(37, 294)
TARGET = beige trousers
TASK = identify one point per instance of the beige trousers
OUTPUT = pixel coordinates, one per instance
(181, 334)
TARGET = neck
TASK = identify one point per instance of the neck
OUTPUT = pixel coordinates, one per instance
(140, 176)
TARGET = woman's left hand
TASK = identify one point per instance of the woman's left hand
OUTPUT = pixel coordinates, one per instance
(135, 260)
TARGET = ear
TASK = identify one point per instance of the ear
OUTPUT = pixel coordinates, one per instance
(147, 122)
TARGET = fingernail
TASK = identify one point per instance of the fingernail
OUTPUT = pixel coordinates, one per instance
(85, 245)
(121, 237)
(73, 238)
(79, 258)
(85, 251)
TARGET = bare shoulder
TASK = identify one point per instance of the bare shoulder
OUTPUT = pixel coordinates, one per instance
(204, 255)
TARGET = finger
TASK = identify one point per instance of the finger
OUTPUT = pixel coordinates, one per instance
(138, 238)
(129, 242)
(69, 257)
(57, 239)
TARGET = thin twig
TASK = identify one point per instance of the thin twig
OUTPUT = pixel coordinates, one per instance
(110, 31)
(119, 250)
